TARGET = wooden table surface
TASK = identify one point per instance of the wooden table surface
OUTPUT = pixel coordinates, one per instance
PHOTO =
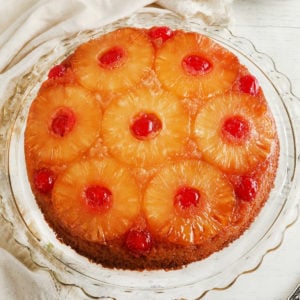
(273, 26)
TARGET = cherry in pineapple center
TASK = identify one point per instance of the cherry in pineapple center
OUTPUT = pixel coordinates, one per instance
(187, 198)
(63, 121)
(112, 58)
(235, 128)
(145, 126)
(98, 198)
(196, 65)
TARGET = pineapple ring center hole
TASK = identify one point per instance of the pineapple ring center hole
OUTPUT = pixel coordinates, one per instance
(145, 126)
(112, 58)
(235, 129)
(187, 198)
(98, 198)
(196, 65)
(63, 121)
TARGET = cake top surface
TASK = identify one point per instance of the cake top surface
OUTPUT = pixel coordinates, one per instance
(151, 139)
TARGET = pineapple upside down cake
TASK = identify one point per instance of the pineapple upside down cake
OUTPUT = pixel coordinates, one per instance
(150, 148)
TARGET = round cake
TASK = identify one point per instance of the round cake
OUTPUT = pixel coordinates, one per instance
(150, 148)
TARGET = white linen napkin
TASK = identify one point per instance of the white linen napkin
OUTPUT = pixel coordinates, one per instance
(211, 12)
(19, 282)
(29, 29)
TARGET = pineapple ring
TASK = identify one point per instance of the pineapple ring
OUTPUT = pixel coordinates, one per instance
(212, 214)
(122, 144)
(74, 213)
(170, 71)
(48, 147)
(237, 157)
(137, 60)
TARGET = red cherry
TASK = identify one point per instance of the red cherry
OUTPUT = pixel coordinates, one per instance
(187, 197)
(145, 126)
(57, 71)
(43, 180)
(236, 127)
(63, 122)
(163, 33)
(249, 84)
(112, 58)
(196, 65)
(247, 188)
(98, 197)
(138, 241)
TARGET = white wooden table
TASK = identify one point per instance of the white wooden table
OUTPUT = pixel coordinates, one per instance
(273, 26)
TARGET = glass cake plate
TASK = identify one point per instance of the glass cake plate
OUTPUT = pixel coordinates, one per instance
(219, 270)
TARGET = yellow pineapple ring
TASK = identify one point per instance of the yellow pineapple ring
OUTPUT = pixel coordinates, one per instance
(47, 146)
(92, 224)
(131, 51)
(168, 141)
(236, 155)
(194, 224)
(169, 65)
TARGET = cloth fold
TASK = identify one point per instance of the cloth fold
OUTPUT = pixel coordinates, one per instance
(28, 30)
(18, 282)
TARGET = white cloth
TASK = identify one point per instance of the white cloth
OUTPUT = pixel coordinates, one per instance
(19, 282)
(29, 29)
(211, 12)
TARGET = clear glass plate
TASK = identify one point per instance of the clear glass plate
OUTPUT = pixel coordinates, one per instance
(217, 271)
